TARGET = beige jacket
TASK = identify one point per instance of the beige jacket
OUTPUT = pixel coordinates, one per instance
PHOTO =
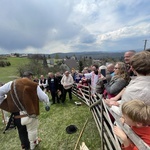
(67, 82)
(138, 88)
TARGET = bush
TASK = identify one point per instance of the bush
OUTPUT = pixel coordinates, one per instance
(4, 63)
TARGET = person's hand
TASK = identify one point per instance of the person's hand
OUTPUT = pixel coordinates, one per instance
(122, 120)
(65, 85)
(107, 102)
(120, 133)
(103, 78)
(110, 102)
(113, 99)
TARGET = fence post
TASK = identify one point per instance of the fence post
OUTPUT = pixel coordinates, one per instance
(102, 123)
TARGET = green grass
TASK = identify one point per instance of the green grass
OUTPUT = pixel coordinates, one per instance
(52, 129)
(52, 124)
(9, 73)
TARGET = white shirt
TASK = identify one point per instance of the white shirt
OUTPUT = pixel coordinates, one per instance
(94, 79)
(7, 87)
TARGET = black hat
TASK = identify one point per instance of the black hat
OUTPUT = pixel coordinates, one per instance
(71, 129)
(27, 74)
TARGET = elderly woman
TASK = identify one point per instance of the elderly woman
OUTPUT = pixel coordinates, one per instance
(119, 81)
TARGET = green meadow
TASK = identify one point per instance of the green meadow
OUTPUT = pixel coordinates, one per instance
(52, 124)
(9, 73)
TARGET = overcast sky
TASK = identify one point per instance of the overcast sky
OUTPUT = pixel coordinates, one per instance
(49, 26)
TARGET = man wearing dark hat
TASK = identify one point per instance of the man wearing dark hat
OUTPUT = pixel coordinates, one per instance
(22, 100)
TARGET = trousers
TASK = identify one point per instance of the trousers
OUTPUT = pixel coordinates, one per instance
(22, 132)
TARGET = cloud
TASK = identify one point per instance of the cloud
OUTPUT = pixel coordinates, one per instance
(126, 32)
(69, 26)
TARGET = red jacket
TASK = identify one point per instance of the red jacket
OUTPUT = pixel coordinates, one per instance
(143, 133)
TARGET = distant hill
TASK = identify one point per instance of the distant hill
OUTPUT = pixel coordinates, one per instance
(95, 55)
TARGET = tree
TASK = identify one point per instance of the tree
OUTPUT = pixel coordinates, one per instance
(16, 54)
(67, 57)
(56, 56)
(49, 56)
(75, 57)
(80, 66)
(44, 62)
(35, 65)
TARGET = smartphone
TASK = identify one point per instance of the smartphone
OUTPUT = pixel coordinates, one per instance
(103, 72)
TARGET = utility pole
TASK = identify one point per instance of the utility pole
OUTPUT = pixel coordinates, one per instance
(145, 44)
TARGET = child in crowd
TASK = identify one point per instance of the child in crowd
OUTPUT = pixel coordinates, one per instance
(136, 114)
(79, 86)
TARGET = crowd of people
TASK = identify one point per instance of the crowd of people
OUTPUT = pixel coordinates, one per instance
(133, 101)
(119, 83)
(125, 88)
(58, 85)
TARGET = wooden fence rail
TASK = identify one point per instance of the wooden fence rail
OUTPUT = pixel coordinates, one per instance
(101, 114)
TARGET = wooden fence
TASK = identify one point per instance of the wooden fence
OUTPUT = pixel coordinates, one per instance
(101, 114)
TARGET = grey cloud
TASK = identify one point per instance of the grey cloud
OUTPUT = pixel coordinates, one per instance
(73, 24)
(28, 23)
(67, 31)
(88, 39)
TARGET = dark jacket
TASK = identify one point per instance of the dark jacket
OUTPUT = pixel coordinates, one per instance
(115, 85)
(53, 84)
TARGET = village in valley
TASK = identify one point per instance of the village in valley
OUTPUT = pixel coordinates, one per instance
(64, 61)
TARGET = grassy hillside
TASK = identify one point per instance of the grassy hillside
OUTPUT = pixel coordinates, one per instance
(10, 72)
(52, 129)
(52, 124)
